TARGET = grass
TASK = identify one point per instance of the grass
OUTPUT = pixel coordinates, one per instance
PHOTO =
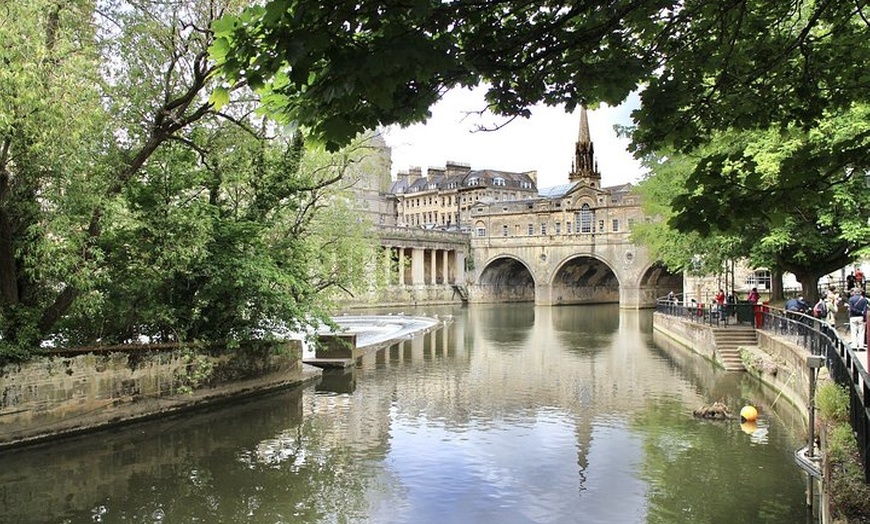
(848, 491)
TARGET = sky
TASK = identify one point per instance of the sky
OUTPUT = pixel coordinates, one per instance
(544, 142)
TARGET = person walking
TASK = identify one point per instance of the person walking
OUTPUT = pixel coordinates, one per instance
(754, 296)
(720, 304)
(857, 316)
(831, 301)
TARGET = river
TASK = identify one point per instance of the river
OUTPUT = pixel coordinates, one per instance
(510, 414)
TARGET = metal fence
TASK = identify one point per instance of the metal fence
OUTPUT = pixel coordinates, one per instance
(818, 337)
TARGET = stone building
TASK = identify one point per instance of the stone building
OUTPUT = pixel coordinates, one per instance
(499, 203)
(444, 198)
(580, 207)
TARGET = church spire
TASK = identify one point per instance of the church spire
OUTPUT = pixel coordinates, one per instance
(585, 167)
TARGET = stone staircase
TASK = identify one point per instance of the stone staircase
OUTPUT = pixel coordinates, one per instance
(728, 340)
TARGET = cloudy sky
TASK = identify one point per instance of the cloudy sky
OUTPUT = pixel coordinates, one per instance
(544, 142)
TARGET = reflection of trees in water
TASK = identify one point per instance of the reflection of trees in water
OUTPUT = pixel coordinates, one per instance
(758, 482)
(225, 465)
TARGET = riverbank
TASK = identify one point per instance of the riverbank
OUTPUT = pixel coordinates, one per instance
(72, 391)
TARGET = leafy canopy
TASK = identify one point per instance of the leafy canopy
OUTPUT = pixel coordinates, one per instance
(132, 207)
(791, 197)
(705, 65)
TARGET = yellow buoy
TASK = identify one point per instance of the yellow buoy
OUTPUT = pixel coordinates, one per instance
(749, 413)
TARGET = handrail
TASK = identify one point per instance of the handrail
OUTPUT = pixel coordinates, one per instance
(817, 337)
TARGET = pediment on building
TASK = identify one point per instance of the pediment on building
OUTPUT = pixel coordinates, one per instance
(585, 193)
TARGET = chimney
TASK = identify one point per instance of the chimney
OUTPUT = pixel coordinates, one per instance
(457, 168)
(434, 172)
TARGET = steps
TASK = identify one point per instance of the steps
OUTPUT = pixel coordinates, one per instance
(728, 340)
(462, 291)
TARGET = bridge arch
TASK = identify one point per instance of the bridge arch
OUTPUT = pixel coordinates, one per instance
(584, 279)
(505, 278)
(657, 281)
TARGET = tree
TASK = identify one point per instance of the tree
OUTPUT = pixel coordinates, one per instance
(704, 65)
(790, 196)
(705, 68)
(138, 200)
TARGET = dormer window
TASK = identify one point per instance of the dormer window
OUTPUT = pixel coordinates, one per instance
(499, 181)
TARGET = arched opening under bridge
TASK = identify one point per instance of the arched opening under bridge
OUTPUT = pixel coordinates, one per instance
(657, 282)
(505, 280)
(585, 280)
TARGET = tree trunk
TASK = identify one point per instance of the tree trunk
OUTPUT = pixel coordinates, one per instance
(776, 292)
(809, 285)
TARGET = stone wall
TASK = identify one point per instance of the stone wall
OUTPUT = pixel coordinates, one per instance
(691, 335)
(783, 366)
(777, 362)
(73, 391)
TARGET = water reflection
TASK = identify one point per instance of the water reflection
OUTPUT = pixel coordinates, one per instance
(514, 414)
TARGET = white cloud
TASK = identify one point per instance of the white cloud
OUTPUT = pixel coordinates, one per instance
(543, 142)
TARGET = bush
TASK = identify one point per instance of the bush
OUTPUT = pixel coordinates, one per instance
(833, 402)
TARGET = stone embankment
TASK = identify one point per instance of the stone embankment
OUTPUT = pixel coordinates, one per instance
(776, 361)
(72, 391)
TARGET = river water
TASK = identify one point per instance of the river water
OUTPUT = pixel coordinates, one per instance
(510, 414)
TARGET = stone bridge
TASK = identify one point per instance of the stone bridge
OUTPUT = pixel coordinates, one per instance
(566, 269)
(430, 266)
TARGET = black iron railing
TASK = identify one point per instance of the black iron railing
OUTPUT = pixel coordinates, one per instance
(846, 367)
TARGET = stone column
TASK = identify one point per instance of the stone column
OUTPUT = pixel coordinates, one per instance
(388, 258)
(445, 271)
(433, 267)
(401, 281)
(417, 264)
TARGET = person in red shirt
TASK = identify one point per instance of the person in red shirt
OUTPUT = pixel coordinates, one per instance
(859, 278)
(720, 304)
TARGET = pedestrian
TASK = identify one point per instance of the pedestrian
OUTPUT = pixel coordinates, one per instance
(857, 315)
(850, 281)
(754, 296)
(720, 304)
(820, 310)
(831, 300)
(859, 279)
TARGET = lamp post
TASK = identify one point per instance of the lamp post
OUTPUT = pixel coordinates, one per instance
(814, 362)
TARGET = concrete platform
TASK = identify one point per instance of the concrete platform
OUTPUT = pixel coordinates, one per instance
(371, 333)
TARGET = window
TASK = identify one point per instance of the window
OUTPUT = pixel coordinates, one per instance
(558, 228)
(601, 226)
(498, 181)
(630, 223)
(481, 231)
(504, 230)
(543, 229)
(615, 224)
(760, 278)
(586, 217)
(568, 226)
(531, 229)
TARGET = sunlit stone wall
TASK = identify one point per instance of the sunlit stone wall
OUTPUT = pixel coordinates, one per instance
(69, 392)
